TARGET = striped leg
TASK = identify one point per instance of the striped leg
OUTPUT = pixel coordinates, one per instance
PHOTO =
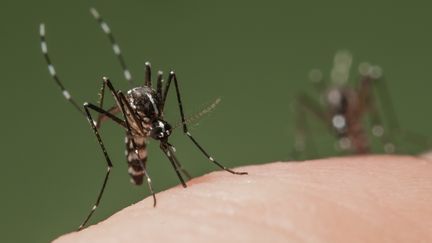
(170, 154)
(159, 87)
(371, 77)
(178, 164)
(103, 115)
(147, 75)
(87, 108)
(171, 77)
(304, 144)
(116, 48)
(52, 71)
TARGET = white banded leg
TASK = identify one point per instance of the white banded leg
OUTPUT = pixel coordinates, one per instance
(177, 162)
(52, 71)
(171, 77)
(88, 106)
(147, 75)
(170, 154)
(116, 48)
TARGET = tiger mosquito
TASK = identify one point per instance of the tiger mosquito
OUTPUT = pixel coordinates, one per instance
(344, 107)
(142, 117)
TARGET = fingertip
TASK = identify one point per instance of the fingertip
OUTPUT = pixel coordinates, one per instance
(328, 200)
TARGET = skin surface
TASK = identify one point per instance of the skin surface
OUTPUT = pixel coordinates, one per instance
(350, 199)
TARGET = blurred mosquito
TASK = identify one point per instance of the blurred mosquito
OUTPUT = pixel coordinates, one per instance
(142, 116)
(343, 108)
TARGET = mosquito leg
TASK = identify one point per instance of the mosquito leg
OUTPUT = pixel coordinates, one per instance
(116, 48)
(113, 110)
(302, 133)
(149, 184)
(103, 117)
(125, 123)
(159, 88)
(178, 164)
(147, 75)
(387, 136)
(305, 105)
(170, 154)
(368, 81)
(384, 96)
(53, 73)
(88, 106)
(171, 77)
(66, 94)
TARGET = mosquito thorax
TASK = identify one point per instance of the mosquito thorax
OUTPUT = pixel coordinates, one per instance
(145, 102)
(160, 129)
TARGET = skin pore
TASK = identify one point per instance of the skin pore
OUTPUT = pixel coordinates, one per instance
(349, 199)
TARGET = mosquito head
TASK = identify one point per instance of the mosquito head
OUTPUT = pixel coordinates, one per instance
(160, 130)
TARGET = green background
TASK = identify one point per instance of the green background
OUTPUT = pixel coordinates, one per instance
(254, 55)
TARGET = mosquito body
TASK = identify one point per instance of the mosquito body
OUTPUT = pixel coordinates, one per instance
(344, 108)
(141, 112)
(347, 107)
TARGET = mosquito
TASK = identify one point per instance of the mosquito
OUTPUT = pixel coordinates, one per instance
(142, 117)
(344, 107)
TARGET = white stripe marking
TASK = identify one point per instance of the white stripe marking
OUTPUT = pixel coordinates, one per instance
(105, 27)
(51, 70)
(95, 13)
(211, 159)
(132, 156)
(127, 74)
(92, 121)
(66, 94)
(116, 49)
(153, 103)
(133, 172)
(44, 47)
(42, 29)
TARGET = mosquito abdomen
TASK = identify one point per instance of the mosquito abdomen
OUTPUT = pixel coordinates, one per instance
(136, 156)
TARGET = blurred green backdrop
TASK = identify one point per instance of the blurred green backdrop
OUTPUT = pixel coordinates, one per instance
(255, 55)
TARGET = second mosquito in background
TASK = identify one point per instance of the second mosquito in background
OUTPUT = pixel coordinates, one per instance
(351, 113)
